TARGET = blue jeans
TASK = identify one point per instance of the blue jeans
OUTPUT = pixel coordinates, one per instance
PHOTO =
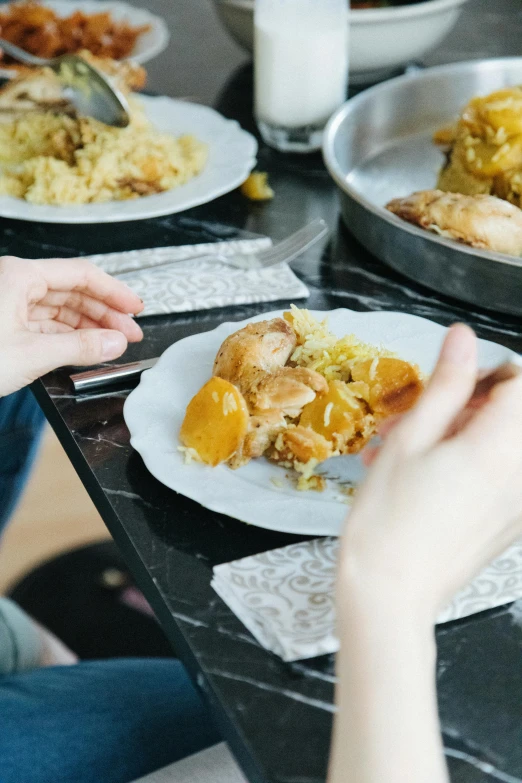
(21, 424)
(99, 722)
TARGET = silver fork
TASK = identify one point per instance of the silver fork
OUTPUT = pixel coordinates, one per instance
(285, 251)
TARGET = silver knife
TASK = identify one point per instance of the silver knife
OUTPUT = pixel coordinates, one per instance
(109, 376)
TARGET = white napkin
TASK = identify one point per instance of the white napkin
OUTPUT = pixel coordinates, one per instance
(285, 597)
(195, 284)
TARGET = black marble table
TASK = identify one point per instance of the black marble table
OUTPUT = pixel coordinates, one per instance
(275, 716)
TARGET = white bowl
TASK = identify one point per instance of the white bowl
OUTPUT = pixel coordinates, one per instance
(381, 39)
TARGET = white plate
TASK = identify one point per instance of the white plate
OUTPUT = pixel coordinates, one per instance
(148, 44)
(232, 156)
(154, 412)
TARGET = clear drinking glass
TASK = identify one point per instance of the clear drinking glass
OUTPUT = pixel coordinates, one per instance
(300, 69)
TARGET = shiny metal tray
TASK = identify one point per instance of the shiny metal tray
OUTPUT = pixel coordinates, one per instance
(378, 146)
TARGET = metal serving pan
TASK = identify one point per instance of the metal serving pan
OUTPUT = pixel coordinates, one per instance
(378, 146)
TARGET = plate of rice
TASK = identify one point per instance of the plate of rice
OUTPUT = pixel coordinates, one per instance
(262, 492)
(56, 168)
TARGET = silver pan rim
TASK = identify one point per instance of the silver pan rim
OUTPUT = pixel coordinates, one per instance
(334, 168)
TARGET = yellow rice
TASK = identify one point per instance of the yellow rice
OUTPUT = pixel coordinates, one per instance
(320, 350)
(56, 159)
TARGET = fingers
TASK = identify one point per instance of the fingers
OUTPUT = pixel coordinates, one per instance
(76, 274)
(79, 347)
(19, 283)
(448, 392)
(385, 427)
(371, 452)
(369, 455)
(82, 311)
(98, 296)
(489, 380)
(43, 317)
(49, 326)
(494, 433)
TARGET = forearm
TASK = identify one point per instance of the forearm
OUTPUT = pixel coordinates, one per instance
(387, 728)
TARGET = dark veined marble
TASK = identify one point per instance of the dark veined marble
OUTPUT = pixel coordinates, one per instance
(276, 716)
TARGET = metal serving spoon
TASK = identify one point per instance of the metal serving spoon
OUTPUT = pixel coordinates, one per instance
(88, 89)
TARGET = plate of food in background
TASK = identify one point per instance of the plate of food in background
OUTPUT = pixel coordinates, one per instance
(434, 187)
(57, 166)
(106, 28)
(240, 418)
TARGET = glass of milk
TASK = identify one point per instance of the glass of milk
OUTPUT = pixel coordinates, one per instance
(300, 69)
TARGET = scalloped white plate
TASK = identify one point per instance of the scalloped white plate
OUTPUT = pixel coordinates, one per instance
(232, 156)
(148, 45)
(154, 412)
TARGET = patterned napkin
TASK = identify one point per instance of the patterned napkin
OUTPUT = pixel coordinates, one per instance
(173, 280)
(286, 597)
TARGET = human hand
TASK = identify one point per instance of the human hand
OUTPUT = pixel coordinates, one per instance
(444, 495)
(60, 312)
(486, 381)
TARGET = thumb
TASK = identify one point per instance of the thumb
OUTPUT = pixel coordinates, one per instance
(448, 391)
(80, 347)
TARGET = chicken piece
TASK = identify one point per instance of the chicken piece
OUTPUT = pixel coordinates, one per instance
(254, 359)
(252, 352)
(481, 221)
(395, 385)
(288, 389)
(39, 90)
(263, 430)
